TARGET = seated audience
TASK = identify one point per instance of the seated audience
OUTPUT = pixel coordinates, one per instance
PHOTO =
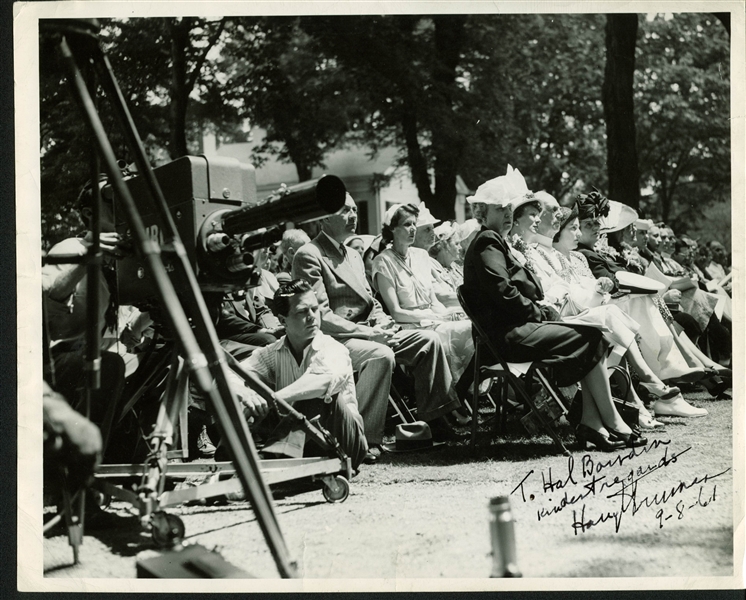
(425, 235)
(370, 255)
(292, 239)
(717, 268)
(573, 289)
(447, 274)
(508, 301)
(657, 350)
(573, 268)
(402, 276)
(351, 314)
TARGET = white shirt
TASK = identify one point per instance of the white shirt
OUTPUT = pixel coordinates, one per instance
(276, 366)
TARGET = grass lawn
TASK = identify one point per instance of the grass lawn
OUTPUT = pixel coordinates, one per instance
(424, 515)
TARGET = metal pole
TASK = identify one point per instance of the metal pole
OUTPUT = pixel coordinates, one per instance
(230, 418)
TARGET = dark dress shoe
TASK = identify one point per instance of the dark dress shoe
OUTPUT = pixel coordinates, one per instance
(586, 435)
(372, 455)
(715, 385)
(631, 440)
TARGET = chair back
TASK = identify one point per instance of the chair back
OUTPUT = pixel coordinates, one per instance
(481, 333)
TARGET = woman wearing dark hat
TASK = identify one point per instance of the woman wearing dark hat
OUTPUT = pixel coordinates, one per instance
(621, 238)
(655, 337)
(664, 349)
(511, 308)
(568, 282)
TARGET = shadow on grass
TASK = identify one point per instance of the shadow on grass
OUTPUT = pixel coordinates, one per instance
(714, 545)
(512, 445)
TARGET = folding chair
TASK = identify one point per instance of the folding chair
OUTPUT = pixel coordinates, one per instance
(509, 374)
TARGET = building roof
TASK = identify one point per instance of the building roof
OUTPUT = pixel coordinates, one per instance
(352, 161)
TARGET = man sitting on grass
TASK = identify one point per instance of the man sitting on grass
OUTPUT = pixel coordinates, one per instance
(309, 370)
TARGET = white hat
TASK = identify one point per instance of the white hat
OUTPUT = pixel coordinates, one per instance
(425, 217)
(445, 230)
(620, 216)
(501, 190)
(389, 214)
(644, 224)
(366, 239)
(525, 199)
(465, 229)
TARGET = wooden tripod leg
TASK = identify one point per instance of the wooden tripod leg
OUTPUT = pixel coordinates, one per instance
(72, 522)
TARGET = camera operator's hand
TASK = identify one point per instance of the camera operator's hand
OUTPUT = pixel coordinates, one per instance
(111, 243)
(254, 405)
(70, 438)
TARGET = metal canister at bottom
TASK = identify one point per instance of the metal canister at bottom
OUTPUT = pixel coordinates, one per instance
(502, 530)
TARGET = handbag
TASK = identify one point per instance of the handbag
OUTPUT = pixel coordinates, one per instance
(629, 412)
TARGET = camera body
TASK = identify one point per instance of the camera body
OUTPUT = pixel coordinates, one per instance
(198, 191)
(213, 203)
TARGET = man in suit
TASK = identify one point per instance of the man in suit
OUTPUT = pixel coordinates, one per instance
(350, 314)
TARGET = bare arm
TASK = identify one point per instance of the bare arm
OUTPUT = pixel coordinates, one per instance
(400, 315)
(60, 281)
(307, 386)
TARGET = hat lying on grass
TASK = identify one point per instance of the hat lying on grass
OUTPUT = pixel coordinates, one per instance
(411, 437)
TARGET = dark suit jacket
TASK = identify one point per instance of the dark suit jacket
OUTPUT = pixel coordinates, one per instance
(501, 293)
(345, 299)
(600, 265)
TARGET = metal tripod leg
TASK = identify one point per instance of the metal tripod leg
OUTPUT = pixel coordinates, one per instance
(200, 348)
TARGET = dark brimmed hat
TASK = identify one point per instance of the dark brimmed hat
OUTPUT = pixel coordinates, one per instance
(593, 205)
(567, 215)
(411, 437)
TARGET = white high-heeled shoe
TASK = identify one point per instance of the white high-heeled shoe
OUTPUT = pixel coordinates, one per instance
(648, 422)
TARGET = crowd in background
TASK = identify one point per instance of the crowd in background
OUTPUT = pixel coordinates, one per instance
(581, 288)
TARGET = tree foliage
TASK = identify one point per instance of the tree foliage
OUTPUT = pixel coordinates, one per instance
(279, 78)
(535, 94)
(404, 70)
(456, 95)
(682, 92)
(170, 88)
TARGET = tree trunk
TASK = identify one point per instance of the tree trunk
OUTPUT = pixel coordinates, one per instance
(415, 158)
(618, 102)
(447, 137)
(179, 31)
(304, 171)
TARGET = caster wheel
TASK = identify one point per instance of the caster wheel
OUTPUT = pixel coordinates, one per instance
(337, 489)
(102, 500)
(167, 530)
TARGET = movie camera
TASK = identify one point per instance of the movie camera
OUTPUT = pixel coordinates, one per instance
(213, 202)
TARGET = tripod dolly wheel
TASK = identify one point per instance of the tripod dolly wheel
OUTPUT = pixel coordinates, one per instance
(167, 530)
(336, 489)
(101, 499)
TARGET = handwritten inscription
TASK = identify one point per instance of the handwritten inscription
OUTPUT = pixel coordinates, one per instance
(592, 491)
